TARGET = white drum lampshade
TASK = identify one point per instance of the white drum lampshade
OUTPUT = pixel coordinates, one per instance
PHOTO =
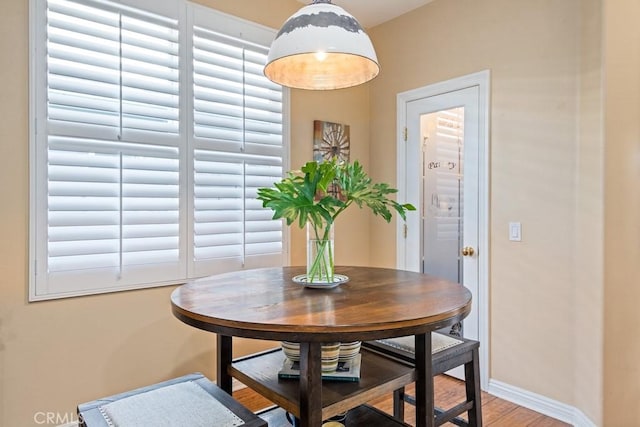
(321, 47)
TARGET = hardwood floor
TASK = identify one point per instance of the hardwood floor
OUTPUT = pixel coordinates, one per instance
(449, 391)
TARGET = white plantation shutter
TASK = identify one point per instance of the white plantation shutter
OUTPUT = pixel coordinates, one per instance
(263, 235)
(109, 141)
(231, 229)
(113, 72)
(236, 108)
(113, 214)
(153, 129)
(238, 135)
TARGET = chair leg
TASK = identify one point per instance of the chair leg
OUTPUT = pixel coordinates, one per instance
(472, 385)
(398, 404)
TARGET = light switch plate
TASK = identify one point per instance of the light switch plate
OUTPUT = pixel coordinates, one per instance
(515, 231)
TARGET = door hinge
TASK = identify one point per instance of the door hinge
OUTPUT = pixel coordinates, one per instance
(404, 134)
(406, 229)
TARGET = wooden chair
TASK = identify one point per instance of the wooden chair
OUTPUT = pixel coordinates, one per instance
(448, 353)
(191, 400)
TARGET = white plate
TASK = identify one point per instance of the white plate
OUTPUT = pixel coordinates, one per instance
(338, 279)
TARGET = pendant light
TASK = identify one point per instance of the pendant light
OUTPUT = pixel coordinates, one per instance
(321, 47)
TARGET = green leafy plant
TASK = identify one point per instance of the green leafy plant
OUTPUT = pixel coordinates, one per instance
(317, 194)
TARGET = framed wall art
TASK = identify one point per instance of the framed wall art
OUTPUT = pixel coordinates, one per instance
(330, 140)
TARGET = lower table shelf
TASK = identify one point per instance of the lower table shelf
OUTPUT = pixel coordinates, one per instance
(363, 415)
(378, 376)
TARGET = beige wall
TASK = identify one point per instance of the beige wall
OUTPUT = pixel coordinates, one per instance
(550, 325)
(538, 176)
(56, 354)
(349, 106)
(589, 244)
(621, 47)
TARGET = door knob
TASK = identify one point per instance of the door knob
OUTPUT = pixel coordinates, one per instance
(468, 251)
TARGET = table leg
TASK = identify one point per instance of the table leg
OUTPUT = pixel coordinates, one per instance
(424, 382)
(224, 359)
(310, 384)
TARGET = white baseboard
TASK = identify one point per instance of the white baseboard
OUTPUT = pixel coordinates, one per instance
(581, 420)
(539, 403)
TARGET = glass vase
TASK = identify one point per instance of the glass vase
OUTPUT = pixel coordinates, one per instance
(320, 252)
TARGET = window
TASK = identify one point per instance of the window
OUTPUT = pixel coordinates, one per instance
(152, 128)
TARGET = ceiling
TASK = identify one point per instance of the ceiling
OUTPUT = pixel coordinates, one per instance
(373, 12)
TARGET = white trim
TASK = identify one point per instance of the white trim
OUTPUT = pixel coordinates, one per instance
(581, 420)
(230, 25)
(286, 166)
(536, 402)
(484, 231)
(31, 269)
(482, 80)
(401, 176)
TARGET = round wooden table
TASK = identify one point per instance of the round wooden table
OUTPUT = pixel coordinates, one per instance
(375, 303)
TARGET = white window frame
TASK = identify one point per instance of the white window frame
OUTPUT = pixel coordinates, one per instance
(38, 289)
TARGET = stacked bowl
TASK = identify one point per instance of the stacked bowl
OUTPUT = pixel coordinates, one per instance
(332, 353)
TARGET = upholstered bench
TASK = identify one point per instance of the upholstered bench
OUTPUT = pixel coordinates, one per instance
(447, 353)
(191, 400)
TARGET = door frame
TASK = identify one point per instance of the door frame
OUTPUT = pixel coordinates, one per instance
(482, 80)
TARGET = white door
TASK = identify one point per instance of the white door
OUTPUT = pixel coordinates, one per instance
(442, 167)
(443, 152)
